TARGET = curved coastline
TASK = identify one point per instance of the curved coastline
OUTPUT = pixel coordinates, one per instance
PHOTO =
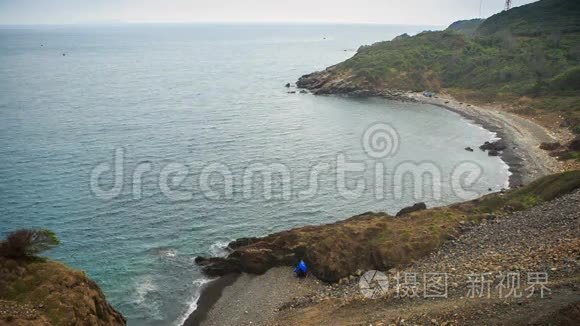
(522, 137)
(522, 155)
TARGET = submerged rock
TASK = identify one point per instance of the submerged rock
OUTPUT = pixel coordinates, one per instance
(410, 209)
(496, 146)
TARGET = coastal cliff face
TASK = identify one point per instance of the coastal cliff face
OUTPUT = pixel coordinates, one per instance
(38, 292)
(377, 240)
(333, 251)
(335, 80)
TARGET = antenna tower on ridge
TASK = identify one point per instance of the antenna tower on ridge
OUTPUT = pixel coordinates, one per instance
(508, 4)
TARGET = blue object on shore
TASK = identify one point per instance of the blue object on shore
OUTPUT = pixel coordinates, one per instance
(301, 268)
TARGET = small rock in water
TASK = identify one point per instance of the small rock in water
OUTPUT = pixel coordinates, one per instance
(469, 149)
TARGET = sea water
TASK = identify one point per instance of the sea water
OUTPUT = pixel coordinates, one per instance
(136, 143)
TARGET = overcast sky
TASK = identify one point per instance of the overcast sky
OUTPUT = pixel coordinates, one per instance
(411, 12)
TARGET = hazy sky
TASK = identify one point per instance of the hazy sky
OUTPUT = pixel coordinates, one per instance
(412, 12)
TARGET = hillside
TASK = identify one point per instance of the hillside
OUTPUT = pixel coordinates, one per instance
(538, 18)
(531, 52)
(34, 291)
(467, 27)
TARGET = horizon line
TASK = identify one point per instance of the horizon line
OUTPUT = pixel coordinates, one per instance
(114, 23)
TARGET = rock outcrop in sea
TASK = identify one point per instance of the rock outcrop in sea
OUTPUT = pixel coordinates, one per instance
(336, 81)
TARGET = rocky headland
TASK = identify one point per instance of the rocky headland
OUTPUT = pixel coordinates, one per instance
(36, 291)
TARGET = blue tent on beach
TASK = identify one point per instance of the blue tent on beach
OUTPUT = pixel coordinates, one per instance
(301, 269)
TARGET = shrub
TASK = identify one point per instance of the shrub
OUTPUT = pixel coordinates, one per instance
(27, 243)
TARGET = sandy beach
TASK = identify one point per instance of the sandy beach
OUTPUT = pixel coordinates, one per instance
(251, 299)
(523, 137)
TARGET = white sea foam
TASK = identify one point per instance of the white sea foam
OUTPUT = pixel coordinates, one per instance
(168, 252)
(192, 305)
(145, 292)
(145, 286)
(219, 249)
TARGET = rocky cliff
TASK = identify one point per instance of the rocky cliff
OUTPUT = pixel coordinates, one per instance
(34, 291)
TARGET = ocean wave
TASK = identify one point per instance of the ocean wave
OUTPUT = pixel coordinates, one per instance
(143, 288)
(192, 305)
(167, 252)
(219, 249)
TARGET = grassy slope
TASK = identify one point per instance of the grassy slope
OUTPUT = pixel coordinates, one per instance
(58, 294)
(531, 51)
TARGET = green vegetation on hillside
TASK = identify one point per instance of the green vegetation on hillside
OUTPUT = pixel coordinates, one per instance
(539, 18)
(531, 51)
(467, 27)
(539, 191)
(27, 243)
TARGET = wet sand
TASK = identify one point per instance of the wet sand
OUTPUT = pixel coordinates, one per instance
(246, 299)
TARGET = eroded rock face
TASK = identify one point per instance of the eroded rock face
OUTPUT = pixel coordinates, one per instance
(331, 251)
(493, 146)
(336, 81)
(49, 293)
